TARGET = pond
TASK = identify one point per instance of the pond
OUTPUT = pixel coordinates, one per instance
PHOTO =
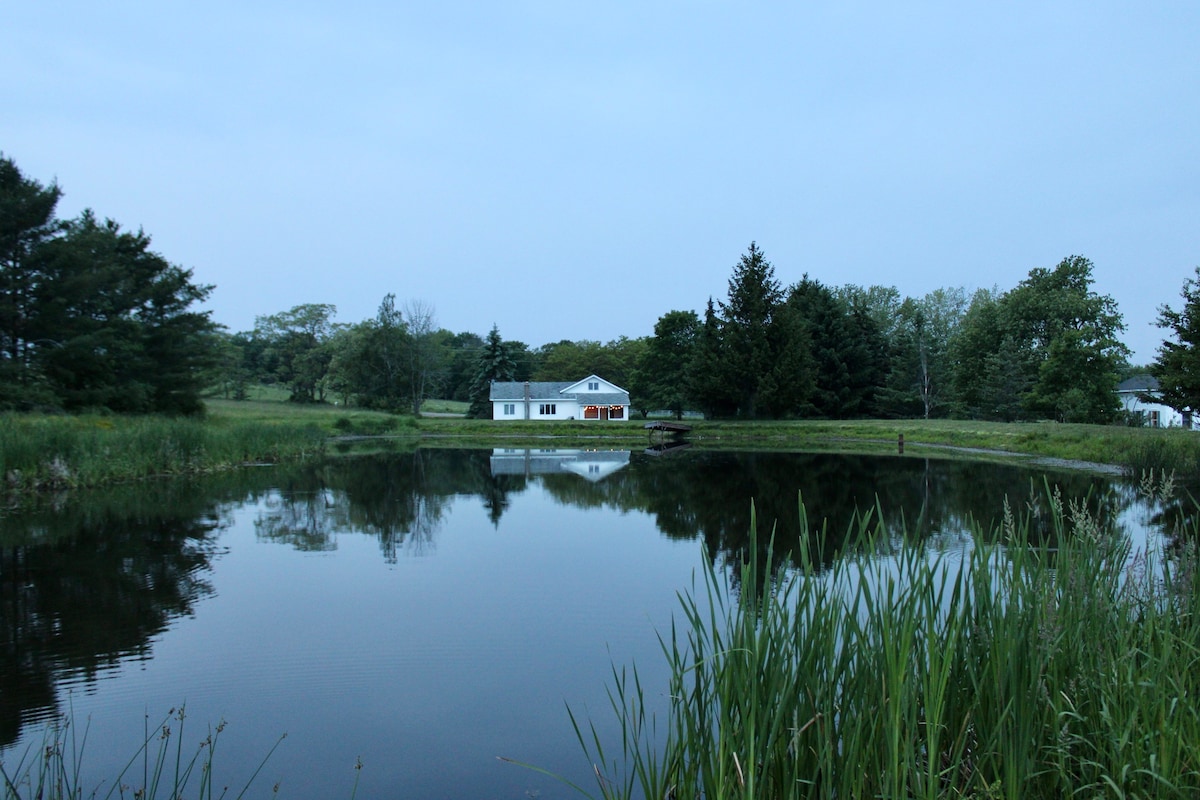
(430, 612)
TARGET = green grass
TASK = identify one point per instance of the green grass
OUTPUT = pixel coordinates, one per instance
(39, 451)
(330, 419)
(444, 407)
(1137, 449)
(1019, 672)
(50, 452)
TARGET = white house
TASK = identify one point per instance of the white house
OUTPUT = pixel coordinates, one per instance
(592, 398)
(1153, 415)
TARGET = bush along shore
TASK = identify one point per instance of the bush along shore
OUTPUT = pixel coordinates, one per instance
(1019, 671)
(54, 452)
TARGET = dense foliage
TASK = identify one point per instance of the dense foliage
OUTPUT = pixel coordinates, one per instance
(1046, 350)
(90, 316)
(1178, 365)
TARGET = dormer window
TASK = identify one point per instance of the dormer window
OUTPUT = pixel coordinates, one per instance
(593, 386)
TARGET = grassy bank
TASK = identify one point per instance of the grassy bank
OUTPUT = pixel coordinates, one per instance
(1014, 673)
(39, 452)
(1135, 448)
(46, 452)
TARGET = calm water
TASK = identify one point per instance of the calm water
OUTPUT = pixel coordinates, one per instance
(426, 612)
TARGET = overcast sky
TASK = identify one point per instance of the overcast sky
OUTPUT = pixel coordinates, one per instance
(574, 170)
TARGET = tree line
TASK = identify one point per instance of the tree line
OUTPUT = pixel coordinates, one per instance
(1047, 349)
(91, 317)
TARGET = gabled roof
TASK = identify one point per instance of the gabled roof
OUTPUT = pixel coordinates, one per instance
(601, 398)
(540, 391)
(595, 377)
(1139, 383)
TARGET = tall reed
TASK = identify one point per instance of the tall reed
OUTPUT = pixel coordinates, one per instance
(1015, 671)
(50, 452)
(162, 767)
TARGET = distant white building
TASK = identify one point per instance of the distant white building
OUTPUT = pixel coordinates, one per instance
(1137, 397)
(592, 398)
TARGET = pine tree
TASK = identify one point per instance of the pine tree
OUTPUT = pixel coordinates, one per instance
(1178, 365)
(27, 220)
(754, 296)
(495, 364)
(709, 387)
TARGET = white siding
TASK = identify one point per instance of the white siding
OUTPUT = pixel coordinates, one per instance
(1167, 416)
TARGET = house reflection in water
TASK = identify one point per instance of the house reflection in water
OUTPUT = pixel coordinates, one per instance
(593, 465)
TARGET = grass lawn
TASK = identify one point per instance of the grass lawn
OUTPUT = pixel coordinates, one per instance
(444, 407)
(1136, 448)
(333, 420)
(56, 451)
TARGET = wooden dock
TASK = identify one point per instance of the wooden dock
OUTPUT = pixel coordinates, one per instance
(668, 427)
(675, 429)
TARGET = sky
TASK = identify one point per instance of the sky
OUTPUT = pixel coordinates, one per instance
(569, 170)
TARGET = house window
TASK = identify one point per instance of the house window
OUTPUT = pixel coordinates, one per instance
(593, 386)
(547, 409)
(593, 469)
(1153, 419)
(616, 412)
(591, 412)
(510, 409)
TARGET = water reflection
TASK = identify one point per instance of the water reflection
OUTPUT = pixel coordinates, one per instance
(89, 584)
(401, 498)
(591, 465)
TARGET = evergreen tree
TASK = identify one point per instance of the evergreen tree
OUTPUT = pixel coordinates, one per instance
(710, 388)
(826, 320)
(495, 364)
(747, 316)
(1178, 364)
(27, 220)
(866, 360)
(118, 316)
(976, 345)
(786, 388)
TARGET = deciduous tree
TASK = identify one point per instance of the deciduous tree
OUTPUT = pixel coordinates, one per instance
(666, 361)
(297, 353)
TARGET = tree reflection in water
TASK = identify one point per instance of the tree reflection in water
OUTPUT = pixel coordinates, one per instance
(87, 585)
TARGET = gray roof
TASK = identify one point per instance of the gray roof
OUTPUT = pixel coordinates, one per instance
(601, 399)
(1139, 383)
(540, 391)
